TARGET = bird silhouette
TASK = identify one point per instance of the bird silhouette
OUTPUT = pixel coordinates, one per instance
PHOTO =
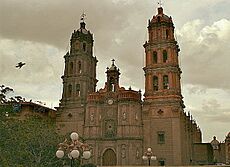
(20, 64)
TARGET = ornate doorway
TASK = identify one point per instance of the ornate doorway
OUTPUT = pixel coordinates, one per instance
(109, 158)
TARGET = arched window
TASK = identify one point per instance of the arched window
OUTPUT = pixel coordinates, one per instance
(155, 83)
(84, 47)
(154, 57)
(159, 33)
(77, 45)
(165, 56)
(78, 89)
(165, 82)
(113, 87)
(152, 36)
(112, 84)
(79, 67)
(69, 90)
(71, 68)
(167, 34)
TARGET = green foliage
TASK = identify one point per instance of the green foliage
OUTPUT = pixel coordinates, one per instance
(5, 108)
(28, 143)
(89, 165)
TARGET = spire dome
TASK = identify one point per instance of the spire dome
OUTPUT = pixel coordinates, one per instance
(160, 17)
(113, 67)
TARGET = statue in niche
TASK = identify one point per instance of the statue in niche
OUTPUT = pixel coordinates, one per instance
(136, 116)
(137, 154)
(92, 117)
(124, 115)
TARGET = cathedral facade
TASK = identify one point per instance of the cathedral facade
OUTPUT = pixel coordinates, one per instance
(117, 122)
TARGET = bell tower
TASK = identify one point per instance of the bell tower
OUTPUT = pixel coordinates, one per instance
(79, 79)
(163, 113)
(162, 71)
(112, 78)
(80, 68)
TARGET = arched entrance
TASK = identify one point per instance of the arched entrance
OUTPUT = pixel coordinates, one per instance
(109, 158)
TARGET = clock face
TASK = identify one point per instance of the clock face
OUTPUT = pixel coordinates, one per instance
(110, 101)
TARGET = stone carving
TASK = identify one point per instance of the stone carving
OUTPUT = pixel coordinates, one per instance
(160, 112)
(110, 128)
(123, 151)
(109, 113)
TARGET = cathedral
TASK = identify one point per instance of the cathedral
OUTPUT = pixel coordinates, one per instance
(118, 123)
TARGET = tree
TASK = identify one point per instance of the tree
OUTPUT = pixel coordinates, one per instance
(3, 91)
(31, 142)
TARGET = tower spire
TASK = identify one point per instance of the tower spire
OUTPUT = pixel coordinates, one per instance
(113, 62)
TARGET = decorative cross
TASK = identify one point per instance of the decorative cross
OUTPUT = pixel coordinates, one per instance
(160, 3)
(83, 16)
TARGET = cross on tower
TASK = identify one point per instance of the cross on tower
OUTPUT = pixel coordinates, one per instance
(83, 16)
(160, 3)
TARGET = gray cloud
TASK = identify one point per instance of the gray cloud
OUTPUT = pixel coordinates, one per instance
(205, 53)
(40, 77)
(212, 109)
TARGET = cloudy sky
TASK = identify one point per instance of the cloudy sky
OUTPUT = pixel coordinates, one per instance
(38, 31)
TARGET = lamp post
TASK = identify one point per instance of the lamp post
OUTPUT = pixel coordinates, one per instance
(148, 155)
(74, 149)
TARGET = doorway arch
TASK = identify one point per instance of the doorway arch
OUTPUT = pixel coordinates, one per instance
(109, 158)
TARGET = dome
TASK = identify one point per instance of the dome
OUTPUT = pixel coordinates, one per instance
(84, 31)
(161, 17)
(215, 143)
(113, 67)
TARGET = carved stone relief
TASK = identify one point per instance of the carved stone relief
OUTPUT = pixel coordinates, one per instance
(123, 151)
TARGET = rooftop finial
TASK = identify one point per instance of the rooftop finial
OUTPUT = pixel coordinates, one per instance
(83, 16)
(113, 62)
(82, 23)
(159, 3)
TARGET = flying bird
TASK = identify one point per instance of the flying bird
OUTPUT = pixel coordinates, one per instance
(20, 64)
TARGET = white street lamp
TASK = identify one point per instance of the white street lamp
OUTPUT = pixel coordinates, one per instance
(148, 155)
(74, 136)
(153, 158)
(74, 149)
(145, 158)
(74, 154)
(86, 154)
(60, 153)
